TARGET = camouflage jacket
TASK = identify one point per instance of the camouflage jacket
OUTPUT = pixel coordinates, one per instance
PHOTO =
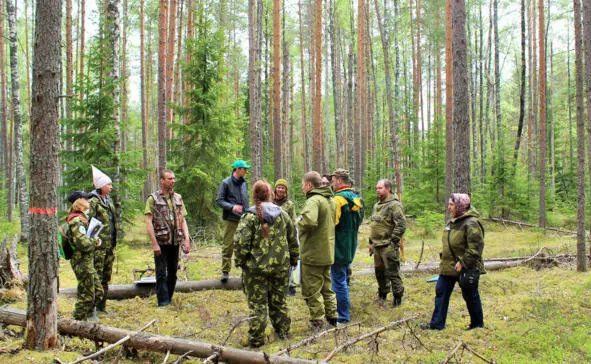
(465, 235)
(82, 245)
(105, 212)
(277, 251)
(287, 206)
(387, 223)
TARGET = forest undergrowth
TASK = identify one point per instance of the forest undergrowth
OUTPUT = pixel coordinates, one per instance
(530, 315)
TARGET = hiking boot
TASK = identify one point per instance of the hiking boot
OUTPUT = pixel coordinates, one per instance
(225, 277)
(332, 321)
(381, 300)
(93, 317)
(427, 326)
(397, 300)
(291, 291)
(472, 327)
(317, 325)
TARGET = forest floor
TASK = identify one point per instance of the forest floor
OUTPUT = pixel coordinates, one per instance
(530, 315)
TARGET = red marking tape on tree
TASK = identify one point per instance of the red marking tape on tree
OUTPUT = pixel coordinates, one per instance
(42, 211)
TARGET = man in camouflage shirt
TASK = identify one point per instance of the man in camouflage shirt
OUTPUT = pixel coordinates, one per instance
(387, 226)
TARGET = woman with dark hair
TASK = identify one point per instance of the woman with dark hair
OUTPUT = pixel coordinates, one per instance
(265, 246)
(461, 261)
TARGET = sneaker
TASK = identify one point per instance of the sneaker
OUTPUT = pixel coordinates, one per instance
(225, 276)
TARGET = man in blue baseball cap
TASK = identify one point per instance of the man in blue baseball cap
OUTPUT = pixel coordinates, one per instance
(233, 198)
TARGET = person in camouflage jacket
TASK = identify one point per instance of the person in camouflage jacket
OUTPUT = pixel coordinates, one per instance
(387, 225)
(101, 208)
(265, 246)
(82, 261)
(462, 245)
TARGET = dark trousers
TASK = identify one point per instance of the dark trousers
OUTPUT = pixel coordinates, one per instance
(166, 267)
(443, 290)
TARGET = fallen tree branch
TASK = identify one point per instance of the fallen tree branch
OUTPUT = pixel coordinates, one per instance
(166, 357)
(420, 256)
(478, 355)
(366, 335)
(182, 357)
(107, 348)
(151, 342)
(235, 326)
(521, 223)
(314, 337)
(452, 353)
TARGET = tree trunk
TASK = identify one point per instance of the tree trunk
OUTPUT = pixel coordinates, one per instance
(6, 159)
(303, 92)
(18, 124)
(581, 249)
(162, 87)
(124, 77)
(10, 274)
(41, 321)
(461, 107)
(143, 106)
(335, 61)
(351, 116)
(395, 128)
(361, 90)
(521, 90)
(146, 341)
(317, 99)
(254, 85)
(82, 37)
(542, 95)
(277, 134)
(449, 138)
(587, 50)
(69, 60)
(287, 141)
(171, 40)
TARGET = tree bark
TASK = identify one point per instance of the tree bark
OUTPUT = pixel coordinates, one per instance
(254, 86)
(317, 99)
(461, 116)
(340, 122)
(542, 95)
(152, 342)
(449, 140)
(521, 90)
(587, 62)
(143, 106)
(18, 124)
(277, 134)
(82, 37)
(361, 90)
(6, 159)
(41, 320)
(162, 87)
(303, 93)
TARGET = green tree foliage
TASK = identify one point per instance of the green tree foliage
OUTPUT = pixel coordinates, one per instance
(208, 138)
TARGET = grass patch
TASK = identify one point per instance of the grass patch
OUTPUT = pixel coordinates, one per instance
(531, 316)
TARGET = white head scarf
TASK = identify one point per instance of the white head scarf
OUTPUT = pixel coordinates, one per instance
(99, 179)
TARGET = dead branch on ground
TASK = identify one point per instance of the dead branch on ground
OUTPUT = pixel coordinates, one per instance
(462, 345)
(452, 353)
(235, 326)
(366, 335)
(420, 256)
(314, 337)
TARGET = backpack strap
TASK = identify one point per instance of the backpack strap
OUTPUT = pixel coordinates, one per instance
(73, 216)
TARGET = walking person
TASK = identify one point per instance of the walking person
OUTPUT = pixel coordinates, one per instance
(316, 229)
(82, 261)
(461, 253)
(232, 197)
(265, 246)
(387, 225)
(347, 221)
(101, 208)
(167, 228)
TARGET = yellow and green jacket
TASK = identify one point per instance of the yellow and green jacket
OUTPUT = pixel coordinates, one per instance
(349, 216)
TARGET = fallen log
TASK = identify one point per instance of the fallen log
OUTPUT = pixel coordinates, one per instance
(521, 223)
(10, 274)
(125, 291)
(151, 342)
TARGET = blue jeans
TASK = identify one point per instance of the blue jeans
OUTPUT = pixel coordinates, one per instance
(166, 266)
(338, 275)
(443, 291)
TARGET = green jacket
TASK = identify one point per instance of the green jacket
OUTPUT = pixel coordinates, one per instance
(387, 223)
(316, 228)
(274, 253)
(466, 237)
(105, 212)
(348, 219)
(289, 207)
(83, 247)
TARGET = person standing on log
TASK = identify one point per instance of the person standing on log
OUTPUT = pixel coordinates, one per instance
(348, 218)
(288, 206)
(265, 246)
(233, 199)
(316, 229)
(387, 225)
(462, 245)
(82, 261)
(167, 228)
(101, 208)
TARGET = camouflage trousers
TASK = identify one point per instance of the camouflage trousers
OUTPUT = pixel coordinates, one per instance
(89, 287)
(317, 291)
(229, 229)
(387, 268)
(103, 264)
(266, 290)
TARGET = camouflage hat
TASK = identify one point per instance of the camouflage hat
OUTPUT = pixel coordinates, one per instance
(281, 182)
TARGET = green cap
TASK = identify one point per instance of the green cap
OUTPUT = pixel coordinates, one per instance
(281, 182)
(240, 164)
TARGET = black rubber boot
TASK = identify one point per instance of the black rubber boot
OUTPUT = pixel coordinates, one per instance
(397, 301)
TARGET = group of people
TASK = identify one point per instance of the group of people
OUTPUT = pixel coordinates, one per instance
(93, 257)
(268, 241)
